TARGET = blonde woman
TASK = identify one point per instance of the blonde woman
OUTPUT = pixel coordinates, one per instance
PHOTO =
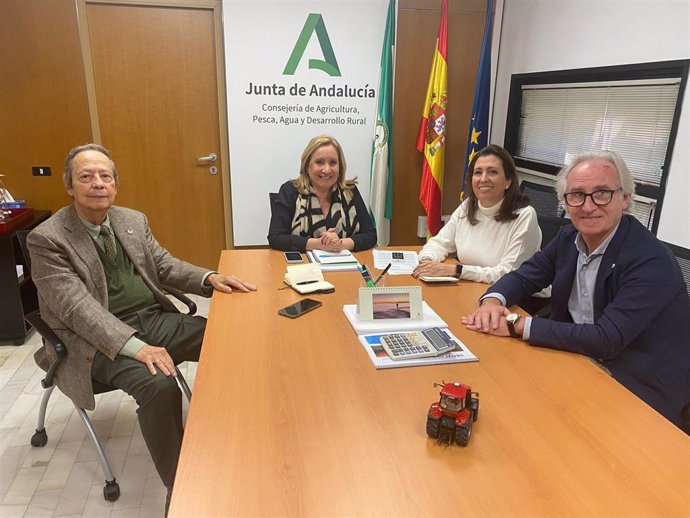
(320, 209)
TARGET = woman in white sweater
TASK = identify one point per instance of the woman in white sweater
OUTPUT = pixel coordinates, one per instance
(492, 232)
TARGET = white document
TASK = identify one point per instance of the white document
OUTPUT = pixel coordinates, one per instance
(402, 262)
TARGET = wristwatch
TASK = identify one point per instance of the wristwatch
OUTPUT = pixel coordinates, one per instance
(458, 271)
(511, 320)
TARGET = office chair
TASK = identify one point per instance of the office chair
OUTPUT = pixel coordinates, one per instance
(683, 258)
(542, 197)
(550, 225)
(111, 489)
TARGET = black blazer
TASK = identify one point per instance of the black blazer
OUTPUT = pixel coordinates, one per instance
(283, 208)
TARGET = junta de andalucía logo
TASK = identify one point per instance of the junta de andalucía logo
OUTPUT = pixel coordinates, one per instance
(329, 63)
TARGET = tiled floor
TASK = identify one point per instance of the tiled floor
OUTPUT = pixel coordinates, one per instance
(64, 478)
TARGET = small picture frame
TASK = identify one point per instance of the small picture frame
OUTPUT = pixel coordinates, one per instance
(396, 302)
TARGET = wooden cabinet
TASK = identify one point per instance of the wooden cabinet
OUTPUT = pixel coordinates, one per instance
(17, 294)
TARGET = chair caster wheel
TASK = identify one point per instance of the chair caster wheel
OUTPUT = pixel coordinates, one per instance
(39, 439)
(111, 490)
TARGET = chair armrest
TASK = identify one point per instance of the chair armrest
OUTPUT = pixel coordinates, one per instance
(50, 339)
(191, 305)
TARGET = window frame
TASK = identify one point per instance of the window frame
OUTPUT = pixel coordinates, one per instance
(637, 71)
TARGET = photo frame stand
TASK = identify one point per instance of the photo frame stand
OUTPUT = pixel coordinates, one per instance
(370, 298)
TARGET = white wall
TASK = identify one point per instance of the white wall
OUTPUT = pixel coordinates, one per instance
(265, 143)
(545, 35)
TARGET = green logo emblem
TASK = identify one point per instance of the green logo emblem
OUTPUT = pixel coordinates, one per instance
(329, 64)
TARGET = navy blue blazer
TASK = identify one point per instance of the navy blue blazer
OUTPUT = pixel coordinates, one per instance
(641, 329)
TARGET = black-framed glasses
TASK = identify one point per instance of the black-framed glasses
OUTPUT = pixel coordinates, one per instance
(599, 197)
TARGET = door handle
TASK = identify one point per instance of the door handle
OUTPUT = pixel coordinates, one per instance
(210, 158)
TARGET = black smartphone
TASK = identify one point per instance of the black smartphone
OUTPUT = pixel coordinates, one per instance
(293, 257)
(299, 308)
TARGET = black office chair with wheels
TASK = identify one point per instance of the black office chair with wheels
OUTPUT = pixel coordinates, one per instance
(111, 489)
(542, 197)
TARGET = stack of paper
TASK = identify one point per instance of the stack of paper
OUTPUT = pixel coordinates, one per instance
(333, 261)
(402, 261)
(370, 333)
(381, 360)
(393, 325)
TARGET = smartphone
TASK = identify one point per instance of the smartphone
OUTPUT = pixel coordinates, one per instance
(299, 308)
(293, 257)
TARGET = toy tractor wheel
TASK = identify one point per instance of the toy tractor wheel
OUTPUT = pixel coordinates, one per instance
(463, 434)
(432, 427)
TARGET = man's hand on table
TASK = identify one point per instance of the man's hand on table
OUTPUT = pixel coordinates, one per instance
(226, 283)
(490, 318)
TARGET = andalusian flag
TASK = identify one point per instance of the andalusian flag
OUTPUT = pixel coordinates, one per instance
(432, 130)
(479, 125)
(381, 199)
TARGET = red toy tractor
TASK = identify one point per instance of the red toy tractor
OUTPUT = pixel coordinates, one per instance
(450, 419)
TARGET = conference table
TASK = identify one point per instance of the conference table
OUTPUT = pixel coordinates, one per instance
(289, 417)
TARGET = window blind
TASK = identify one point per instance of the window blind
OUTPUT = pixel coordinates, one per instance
(633, 118)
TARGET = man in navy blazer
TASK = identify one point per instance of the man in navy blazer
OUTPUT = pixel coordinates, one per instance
(618, 294)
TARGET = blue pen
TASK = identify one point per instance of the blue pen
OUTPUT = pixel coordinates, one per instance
(366, 276)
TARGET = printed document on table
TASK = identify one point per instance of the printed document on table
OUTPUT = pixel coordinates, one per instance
(402, 261)
(381, 360)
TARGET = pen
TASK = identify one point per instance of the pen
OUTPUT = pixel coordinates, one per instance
(366, 276)
(306, 282)
(382, 273)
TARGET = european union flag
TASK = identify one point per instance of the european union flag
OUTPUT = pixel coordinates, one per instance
(479, 125)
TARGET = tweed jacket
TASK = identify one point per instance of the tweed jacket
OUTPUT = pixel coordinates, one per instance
(641, 329)
(73, 293)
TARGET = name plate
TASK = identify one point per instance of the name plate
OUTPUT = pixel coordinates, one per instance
(395, 302)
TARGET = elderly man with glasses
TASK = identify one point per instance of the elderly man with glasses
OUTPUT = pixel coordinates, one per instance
(618, 294)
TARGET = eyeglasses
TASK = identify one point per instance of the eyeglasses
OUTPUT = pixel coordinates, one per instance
(599, 198)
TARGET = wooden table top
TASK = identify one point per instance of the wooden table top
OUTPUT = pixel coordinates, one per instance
(290, 418)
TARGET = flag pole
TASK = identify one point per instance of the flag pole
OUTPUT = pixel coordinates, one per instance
(381, 185)
(477, 135)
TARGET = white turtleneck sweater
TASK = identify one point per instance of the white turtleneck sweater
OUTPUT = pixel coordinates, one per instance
(489, 249)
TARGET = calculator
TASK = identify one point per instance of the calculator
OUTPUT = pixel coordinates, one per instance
(417, 344)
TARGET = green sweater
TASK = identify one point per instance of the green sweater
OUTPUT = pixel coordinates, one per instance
(127, 291)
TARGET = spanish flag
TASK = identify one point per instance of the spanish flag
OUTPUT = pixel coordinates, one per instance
(432, 130)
